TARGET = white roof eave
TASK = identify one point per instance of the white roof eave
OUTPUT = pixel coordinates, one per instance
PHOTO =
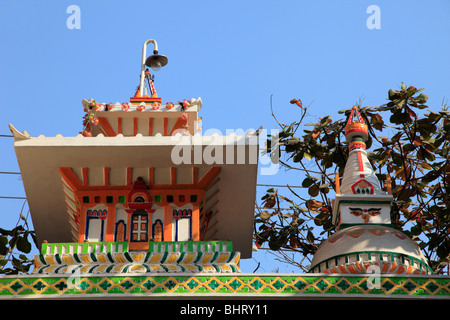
(40, 157)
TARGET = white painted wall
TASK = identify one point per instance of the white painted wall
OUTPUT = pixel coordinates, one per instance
(181, 227)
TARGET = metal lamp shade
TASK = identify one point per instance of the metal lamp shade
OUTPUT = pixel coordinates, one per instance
(156, 61)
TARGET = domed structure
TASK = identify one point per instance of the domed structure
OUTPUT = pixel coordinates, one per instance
(360, 249)
(365, 241)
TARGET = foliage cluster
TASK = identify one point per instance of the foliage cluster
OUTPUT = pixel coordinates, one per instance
(415, 159)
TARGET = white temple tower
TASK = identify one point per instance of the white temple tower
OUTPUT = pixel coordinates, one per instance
(365, 241)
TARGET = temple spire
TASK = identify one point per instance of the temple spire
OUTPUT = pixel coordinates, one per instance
(365, 238)
(359, 177)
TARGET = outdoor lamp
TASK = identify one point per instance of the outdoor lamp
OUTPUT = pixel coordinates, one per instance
(155, 61)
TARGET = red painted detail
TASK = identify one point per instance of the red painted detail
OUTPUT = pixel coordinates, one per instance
(360, 162)
(139, 190)
(106, 126)
(209, 177)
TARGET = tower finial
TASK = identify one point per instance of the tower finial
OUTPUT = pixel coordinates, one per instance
(356, 126)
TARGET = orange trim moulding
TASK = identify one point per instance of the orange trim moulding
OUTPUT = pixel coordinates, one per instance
(106, 126)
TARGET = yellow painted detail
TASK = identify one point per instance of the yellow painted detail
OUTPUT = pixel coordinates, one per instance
(172, 258)
(49, 260)
(189, 258)
(155, 258)
(85, 258)
(119, 258)
(68, 259)
(102, 258)
(223, 257)
(138, 256)
(206, 258)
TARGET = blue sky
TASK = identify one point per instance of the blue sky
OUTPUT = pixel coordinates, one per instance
(232, 54)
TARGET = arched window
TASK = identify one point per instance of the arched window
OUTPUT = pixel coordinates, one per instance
(158, 231)
(121, 231)
(139, 199)
(183, 224)
(95, 225)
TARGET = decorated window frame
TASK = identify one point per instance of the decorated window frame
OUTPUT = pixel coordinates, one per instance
(177, 215)
(139, 226)
(96, 214)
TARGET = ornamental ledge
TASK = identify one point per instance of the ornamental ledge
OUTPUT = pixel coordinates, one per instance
(181, 286)
(399, 265)
(137, 262)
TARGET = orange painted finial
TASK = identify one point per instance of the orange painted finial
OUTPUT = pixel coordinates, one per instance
(137, 93)
(356, 126)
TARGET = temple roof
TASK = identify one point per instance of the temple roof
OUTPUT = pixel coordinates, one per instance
(41, 157)
(146, 118)
(189, 105)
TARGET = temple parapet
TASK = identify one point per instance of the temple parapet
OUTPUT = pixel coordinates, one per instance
(115, 257)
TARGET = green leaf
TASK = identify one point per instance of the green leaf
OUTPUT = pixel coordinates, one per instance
(397, 159)
(307, 182)
(23, 257)
(298, 157)
(313, 191)
(307, 156)
(416, 230)
(4, 240)
(310, 237)
(276, 242)
(4, 249)
(408, 147)
(23, 245)
(344, 111)
(443, 251)
(422, 98)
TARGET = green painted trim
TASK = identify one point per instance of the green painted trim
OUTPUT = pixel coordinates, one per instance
(199, 255)
(95, 266)
(166, 253)
(181, 257)
(110, 258)
(230, 285)
(127, 255)
(162, 246)
(57, 269)
(112, 246)
(231, 257)
(110, 268)
(41, 257)
(77, 259)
